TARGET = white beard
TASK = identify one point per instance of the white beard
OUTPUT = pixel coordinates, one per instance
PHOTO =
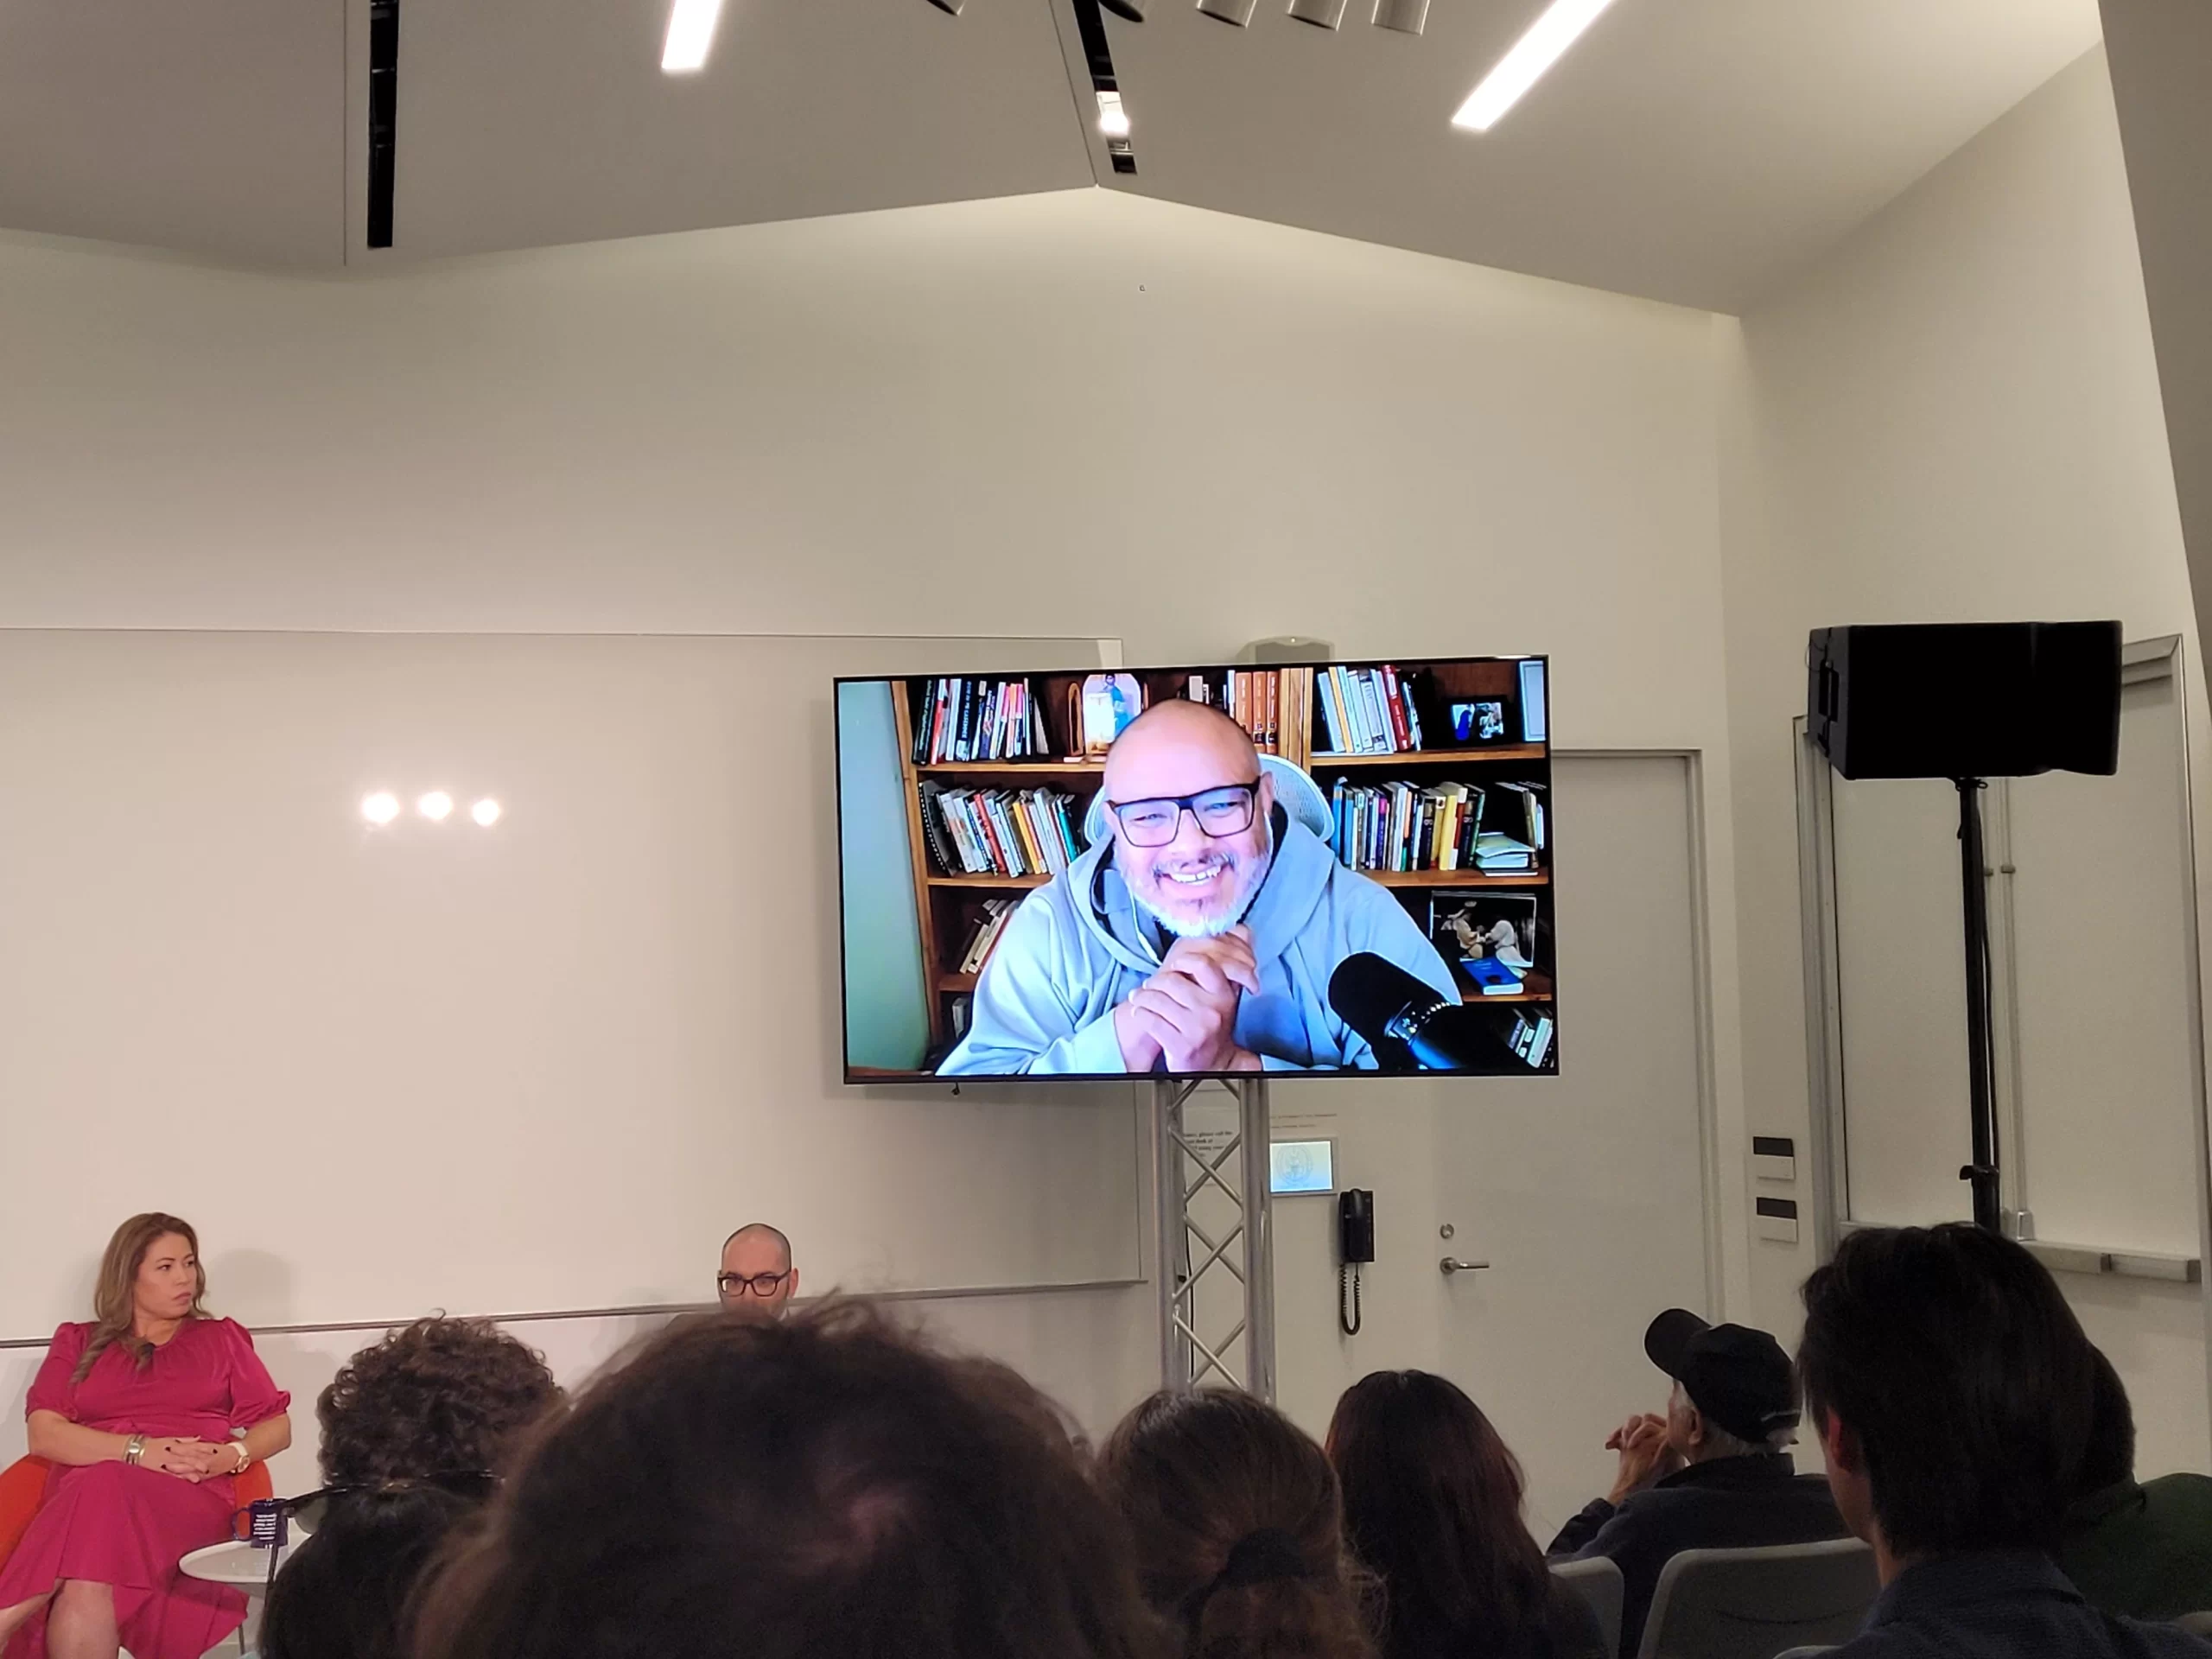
(1213, 926)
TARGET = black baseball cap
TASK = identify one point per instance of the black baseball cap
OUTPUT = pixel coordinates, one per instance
(1737, 1376)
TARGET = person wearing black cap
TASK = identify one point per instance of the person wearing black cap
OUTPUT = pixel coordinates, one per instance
(1712, 1474)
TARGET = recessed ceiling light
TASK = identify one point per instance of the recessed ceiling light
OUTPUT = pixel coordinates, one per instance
(435, 805)
(380, 808)
(1544, 44)
(690, 34)
(486, 811)
(1113, 119)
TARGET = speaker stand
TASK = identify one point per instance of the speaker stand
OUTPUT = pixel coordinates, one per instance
(1982, 1174)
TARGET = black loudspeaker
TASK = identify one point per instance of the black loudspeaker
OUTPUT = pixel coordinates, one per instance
(1966, 700)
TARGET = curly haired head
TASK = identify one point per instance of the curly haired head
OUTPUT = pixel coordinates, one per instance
(437, 1398)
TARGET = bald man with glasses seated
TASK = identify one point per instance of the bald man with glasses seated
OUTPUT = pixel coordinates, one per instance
(757, 1275)
(1197, 930)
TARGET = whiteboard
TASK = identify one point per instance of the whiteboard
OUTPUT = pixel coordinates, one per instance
(541, 1066)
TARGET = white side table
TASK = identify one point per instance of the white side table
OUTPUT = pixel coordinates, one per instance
(243, 1567)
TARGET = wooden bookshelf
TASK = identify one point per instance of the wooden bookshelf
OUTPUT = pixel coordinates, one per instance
(1013, 769)
(1536, 988)
(1474, 756)
(949, 906)
(1460, 878)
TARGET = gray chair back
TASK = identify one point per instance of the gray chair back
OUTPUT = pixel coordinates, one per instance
(1755, 1604)
(1599, 1582)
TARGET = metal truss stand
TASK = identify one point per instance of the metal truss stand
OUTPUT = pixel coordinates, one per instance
(1216, 1240)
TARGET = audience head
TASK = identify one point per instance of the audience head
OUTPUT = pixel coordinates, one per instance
(757, 1275)
(2110, 1459)
(439, 1398)
(345, 1592)
(1734, 1395)
(1432, 1504)
(1237, 1525)
(150, 1274)
(818, 1485)
(1952, 1386)
(414, 1430)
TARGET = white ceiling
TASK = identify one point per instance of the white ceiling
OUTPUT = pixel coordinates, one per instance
(1691, 151)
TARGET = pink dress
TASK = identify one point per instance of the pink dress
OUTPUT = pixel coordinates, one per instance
(113, 1524)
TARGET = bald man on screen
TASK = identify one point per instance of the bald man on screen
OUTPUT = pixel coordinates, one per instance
(1197, 933)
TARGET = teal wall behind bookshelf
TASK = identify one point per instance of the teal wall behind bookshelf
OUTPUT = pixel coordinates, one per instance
(887, 1004)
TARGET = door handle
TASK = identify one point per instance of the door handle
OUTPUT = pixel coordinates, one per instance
(1451, 1264)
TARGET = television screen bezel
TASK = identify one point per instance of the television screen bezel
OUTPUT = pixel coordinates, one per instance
(867, 1077)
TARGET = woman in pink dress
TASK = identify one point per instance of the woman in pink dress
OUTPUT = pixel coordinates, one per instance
(149, 1415)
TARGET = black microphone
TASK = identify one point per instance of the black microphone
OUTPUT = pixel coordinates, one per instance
(1383, 1002)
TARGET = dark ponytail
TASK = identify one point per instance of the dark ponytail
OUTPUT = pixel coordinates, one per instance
(1235, 1518)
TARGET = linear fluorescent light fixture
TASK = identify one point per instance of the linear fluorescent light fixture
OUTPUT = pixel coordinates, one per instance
(1544, 44)
(691, 36)
(1113, 119)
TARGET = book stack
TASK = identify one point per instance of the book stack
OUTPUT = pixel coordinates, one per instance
(1402, 826)
(1368, 710)
(1531, 1037)
(1497, 853)
(984, 940)
(999, 831)
(1519, 812)
(963, 720)
(1491, 975)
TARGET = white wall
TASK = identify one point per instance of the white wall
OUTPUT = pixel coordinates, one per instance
(1955, 417)
(1088, 412)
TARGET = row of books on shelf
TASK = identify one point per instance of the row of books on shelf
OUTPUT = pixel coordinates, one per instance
(1368, 710)
(983, 939)
(966, 719)
(999, 831)
(1252, 698)
(1531, 1036)
(1401, 826)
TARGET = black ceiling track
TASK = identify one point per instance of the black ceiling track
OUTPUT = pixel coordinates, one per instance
(1092, 29)
(384, 111)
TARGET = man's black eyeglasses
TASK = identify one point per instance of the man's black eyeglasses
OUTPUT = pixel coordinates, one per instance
(758, 1284)
(1153, 822)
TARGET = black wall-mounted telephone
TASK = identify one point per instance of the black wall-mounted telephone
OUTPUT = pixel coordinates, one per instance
(1356, 1225)
(1354, 1245)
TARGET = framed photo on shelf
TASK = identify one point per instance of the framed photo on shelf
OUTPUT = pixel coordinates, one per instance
(1477, 925)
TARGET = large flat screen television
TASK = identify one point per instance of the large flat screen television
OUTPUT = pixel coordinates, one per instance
(1199, 870)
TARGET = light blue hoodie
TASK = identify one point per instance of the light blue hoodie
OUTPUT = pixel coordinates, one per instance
(1076, 948)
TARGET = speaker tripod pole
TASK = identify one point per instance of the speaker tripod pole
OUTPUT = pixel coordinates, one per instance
(1981, 1173)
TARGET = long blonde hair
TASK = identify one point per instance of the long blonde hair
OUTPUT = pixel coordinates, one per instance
(115, 1300)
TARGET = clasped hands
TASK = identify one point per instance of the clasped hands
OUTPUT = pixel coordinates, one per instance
(1187, 1011)
(1645, 1455)
(189, 1458)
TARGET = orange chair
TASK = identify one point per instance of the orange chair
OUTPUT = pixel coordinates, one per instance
(22, 1489)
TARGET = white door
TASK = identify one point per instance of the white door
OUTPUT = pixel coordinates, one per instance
(1585, 1191)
